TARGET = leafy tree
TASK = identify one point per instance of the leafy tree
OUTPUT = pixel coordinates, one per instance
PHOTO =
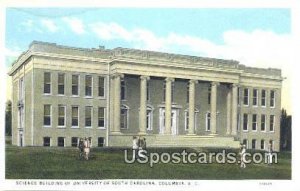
(8, 118)
(285, 130)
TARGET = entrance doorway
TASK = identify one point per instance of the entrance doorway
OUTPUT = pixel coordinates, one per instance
(162, 121)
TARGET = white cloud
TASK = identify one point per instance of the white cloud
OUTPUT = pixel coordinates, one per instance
(15, 52)
(49, 25)
(75, 24)
(258, 48)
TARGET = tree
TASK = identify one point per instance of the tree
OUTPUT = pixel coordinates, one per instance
(285, 131)
(8, 118)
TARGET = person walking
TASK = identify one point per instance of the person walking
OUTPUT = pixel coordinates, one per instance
(243, 156)
(135, 147)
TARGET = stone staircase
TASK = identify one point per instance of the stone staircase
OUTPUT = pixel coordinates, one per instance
(194, 141)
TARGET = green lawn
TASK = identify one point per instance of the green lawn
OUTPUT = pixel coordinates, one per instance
(63, 163)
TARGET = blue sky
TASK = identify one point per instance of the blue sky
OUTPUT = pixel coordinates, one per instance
(26, 25)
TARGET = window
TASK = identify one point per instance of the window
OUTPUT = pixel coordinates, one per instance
(61, 141)
(246, 96)
(88, 116)
(101, 86)
(207, 121)
(245, 122)
(124, 117)
(254, 122)
(255, 97)
(123, 90)
(263, 98)
(149, 118)
(245, 142)
(88, 86)
(253, 143)
(186, 124)
(272, 98)
(74, 141)
(61, 116)
(47, 115)
(46, 141)
(75, 85)
(61, 84)
(47, 83)
(148, 90)
(75, 114)
(239, 96)
(272, 121)
(263, 122)
(262, 144)
(187, 93)
(101, 117)
(209, 94)
(101, 141)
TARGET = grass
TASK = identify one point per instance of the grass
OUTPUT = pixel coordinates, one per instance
(63, 163)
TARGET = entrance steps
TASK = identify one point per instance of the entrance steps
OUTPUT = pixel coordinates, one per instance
(194, 141)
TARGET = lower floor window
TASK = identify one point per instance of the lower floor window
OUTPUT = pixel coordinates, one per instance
(74, 141)
(61, 141)
(245, 142)
(254, 144)
(262, 144)
(101, 141)
(46, 142)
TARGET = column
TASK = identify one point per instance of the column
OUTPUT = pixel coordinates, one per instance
(192, 107)
(143, 105)
(117, 102)
(213, 108)
(228, 104)
(234, 109)
(168, 109)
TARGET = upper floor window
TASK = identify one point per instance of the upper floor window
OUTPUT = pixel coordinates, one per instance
(254, 122)
(123, 90)
(101, 117)
(75, 116)
(272, 122)
(187, 93)
(61, 84)
(89, 86)
(148, 90)
(263, 98)
(61, 116)
(75, 85)
(88, 116)
(263, 122)
(47, 83)
(209, 94)
(246, 96)
(272, 98)
(245, 122)
(239, 96)
(47, 115)
(101, 86)
(255, 97)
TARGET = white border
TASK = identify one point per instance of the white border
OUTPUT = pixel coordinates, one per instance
(203, 185)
